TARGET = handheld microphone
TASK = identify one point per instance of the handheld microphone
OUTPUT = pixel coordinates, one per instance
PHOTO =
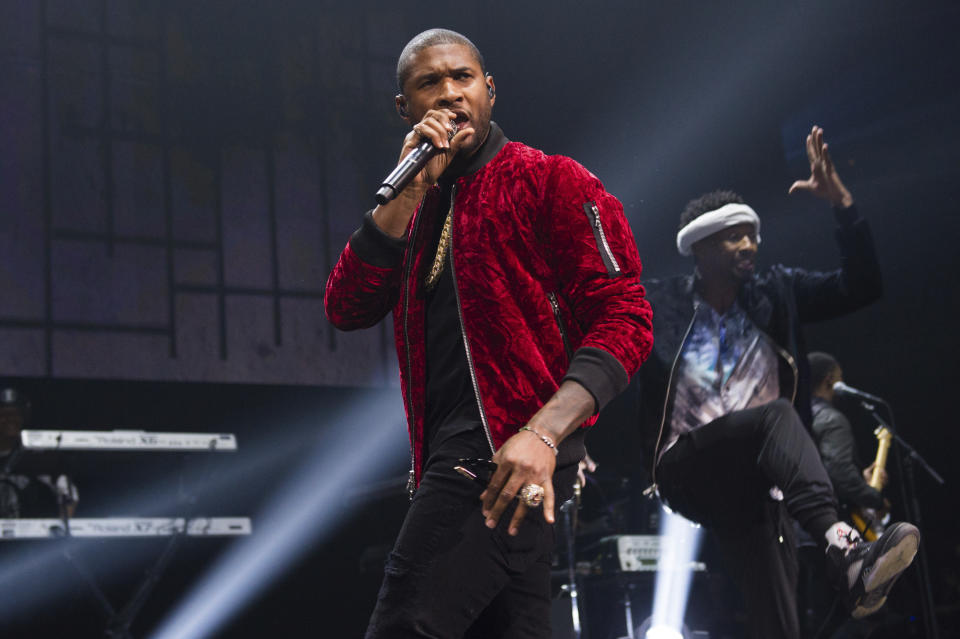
(842, 389)
(408, 168)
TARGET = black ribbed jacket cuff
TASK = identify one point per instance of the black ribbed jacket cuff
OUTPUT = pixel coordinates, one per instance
(375, 247)
(846, 216)
(599, 372)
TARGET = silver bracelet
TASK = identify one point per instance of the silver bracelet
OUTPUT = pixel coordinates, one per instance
(546, 440)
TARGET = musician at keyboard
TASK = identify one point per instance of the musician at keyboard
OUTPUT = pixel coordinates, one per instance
(27, 495)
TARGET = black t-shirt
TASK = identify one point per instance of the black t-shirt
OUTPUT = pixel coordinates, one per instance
(451, 403)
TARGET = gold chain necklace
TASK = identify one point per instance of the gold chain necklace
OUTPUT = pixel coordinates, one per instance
(440, 258)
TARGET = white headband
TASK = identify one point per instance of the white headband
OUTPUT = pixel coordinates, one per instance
(712, 221)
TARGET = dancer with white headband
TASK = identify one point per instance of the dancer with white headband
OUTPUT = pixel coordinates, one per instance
(725, 402)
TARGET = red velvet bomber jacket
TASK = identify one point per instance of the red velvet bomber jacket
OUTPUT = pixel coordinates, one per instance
(548, 279)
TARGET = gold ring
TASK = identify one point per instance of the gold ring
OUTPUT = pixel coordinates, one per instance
(532, 495)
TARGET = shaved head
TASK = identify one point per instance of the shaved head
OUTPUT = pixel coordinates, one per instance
(430, 38)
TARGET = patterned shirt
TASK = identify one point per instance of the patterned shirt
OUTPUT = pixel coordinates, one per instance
(726, 364)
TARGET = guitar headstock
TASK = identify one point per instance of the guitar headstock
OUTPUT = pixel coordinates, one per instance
(883, 434)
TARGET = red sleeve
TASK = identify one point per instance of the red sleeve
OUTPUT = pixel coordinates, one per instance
(364, 285)
(595, 255)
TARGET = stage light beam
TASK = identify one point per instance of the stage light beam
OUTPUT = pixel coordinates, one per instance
(362, 449)
(680, 542)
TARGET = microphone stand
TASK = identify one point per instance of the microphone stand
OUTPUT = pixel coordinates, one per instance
(568, 509)
(911, 506)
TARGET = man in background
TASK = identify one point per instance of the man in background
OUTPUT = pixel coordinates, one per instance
(724, 401)
(26, 496)
(834, 437)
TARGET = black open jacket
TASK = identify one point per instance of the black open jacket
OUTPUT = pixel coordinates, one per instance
(779, 301)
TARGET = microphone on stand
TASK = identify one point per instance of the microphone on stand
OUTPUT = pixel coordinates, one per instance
(408, 168)
(842, 389)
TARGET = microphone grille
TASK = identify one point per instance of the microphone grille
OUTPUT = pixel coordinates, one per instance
(454, 129)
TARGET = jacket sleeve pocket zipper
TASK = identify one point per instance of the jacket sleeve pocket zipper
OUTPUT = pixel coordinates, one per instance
(609, 261)
(555, 305)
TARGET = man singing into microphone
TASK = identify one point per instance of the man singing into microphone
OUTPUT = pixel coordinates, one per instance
(725, 397)
(513, 278)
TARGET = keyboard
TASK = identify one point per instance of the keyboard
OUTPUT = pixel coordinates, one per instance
(124, 527)
(129, 440)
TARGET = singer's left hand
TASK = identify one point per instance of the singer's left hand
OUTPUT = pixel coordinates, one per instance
(523, 459)
(526, 459)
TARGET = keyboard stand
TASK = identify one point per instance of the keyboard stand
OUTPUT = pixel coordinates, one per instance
(175, 529)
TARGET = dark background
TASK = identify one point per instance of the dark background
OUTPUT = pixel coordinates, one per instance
(177, 179)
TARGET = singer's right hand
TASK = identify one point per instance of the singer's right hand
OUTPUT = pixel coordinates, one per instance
(435, 126)
(394, 217)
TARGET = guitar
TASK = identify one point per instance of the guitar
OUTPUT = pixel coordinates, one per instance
(868, 520)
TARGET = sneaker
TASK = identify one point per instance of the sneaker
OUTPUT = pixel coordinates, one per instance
(866, 571)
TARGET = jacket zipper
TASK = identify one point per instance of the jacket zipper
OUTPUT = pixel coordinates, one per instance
(593, 215)
(652, 489)
(411, 476)
(563, 332)
(463, 330)
(793, 365)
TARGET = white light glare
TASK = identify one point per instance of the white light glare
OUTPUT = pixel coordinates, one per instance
(662, 632)
(679, 544)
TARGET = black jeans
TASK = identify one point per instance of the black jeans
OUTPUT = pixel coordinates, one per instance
(450, 576)
(720, 475)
